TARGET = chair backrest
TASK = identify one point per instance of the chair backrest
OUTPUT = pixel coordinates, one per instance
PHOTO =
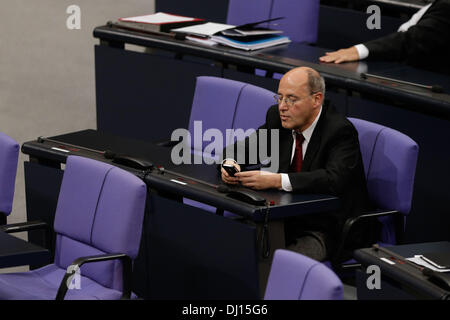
(251, 108)
(9, 155)
(227, 104)
(247, 11)
(100, 210)
(390, 159)
(296, 277)
(301, 17)
(214, 104)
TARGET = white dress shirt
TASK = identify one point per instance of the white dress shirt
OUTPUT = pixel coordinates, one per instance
(363, 52)
(307, 134)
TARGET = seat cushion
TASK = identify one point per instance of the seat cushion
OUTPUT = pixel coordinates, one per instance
(43, 284)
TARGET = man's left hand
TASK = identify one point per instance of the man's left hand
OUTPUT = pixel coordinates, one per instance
(342, 55)
(259, 180)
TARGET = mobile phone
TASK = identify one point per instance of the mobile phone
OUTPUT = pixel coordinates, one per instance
(230, 169)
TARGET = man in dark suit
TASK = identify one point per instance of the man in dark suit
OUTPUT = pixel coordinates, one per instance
(421, 42)
(318, 153)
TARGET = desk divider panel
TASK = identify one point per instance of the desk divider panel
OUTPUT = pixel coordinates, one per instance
(194, 254)
(42, 184)
(144, 96)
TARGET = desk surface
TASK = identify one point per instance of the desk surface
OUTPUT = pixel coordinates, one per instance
(405, 273)
(284, 57)
(409, 250)
(17, 252)
(400, 4)
(200, 180)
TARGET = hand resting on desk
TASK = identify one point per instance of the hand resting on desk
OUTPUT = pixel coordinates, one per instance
(342, 55)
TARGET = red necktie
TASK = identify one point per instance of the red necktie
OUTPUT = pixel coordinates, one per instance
(296, 165)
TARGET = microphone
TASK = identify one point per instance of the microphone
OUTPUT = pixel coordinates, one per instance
(433, 88)
(108, 154)
(223, 189)
(41, 139)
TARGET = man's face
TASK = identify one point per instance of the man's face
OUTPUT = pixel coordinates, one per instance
(301, 113)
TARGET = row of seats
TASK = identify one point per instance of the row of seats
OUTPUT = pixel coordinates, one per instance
(98, 224)
(91, 221)
(389, 156)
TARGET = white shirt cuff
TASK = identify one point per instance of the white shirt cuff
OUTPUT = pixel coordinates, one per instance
(285, 182)
(363, 52)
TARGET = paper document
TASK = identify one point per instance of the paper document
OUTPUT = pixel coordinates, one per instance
(418, 259)
(204, 41)
(158, 18)
(204, 29)
(245, 33)
(269, 41)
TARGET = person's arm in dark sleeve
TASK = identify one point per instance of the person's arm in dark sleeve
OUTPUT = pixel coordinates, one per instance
(423, 44)
(425, 40)
(342, 160)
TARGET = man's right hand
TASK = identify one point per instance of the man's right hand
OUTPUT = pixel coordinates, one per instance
(342, 55)
(226, 177)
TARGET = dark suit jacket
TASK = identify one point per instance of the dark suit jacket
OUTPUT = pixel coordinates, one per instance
(332, 165)
(425, 45)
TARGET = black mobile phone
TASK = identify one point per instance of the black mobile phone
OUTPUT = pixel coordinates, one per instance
(230, 169)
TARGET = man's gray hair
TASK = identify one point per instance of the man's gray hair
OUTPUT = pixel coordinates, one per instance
(316, 82)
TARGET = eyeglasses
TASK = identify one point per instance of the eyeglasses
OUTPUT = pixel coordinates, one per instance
(290, 102)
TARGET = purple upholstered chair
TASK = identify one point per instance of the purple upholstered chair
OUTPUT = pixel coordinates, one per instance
(99, 215)
(226, 104)
(214, 104)
(389, 159)
(251, 108)
(300, 23)
(9, 154)
(301, 17)
(296, 277)
(247, 11)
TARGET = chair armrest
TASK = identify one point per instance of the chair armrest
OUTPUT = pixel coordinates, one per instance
(350, 222)
(30, 226)
(166, 143)
(126, 268)
(24, 226)
(370, 215)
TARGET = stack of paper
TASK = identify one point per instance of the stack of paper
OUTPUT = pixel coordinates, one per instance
(424, 262)
(252, 43)
(237, 32)
(158, 22)
(245, 37)
(158, 18)
(205, 29)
